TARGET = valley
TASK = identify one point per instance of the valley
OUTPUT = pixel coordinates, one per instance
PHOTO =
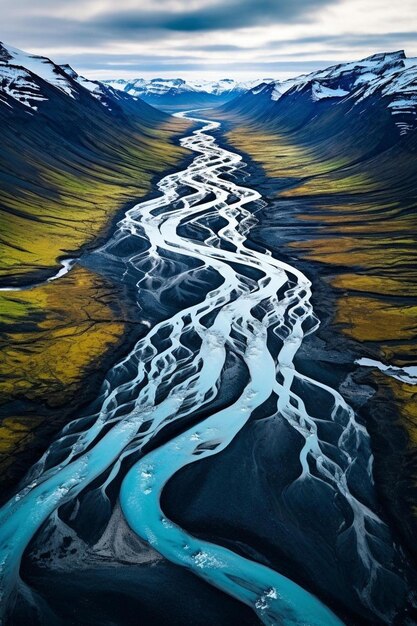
(208, 327)
(178, 94)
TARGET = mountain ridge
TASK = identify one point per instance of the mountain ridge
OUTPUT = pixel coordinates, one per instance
(24, 77)
(59, 129)
(390, 75)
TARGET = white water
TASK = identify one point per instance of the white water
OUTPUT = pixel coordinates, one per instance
(247, 309)
(406, 374)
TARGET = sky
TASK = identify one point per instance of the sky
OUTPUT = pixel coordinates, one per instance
(241, 39)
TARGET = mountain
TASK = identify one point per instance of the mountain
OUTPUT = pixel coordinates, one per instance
(390, 78)
(27, 79)
(72, 149)
(353, 125)
(177, 93)
(338, 156)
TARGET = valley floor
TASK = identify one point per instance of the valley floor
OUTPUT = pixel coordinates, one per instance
(61, 337)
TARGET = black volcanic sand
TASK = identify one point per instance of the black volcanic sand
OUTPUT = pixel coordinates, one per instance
(159, 594)
(389, 440)
(390, 443)
(237, 498)
(390, 425)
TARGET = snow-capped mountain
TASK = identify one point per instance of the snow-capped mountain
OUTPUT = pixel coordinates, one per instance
(179, 93)
(32, 81)
(389, 77)
(72, 150)
(22, 77)
(338, 80)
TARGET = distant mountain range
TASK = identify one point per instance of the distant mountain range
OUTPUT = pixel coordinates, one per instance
(390, 75)
(177, 93)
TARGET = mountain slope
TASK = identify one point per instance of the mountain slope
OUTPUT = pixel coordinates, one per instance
(339, 149)
(73, 152)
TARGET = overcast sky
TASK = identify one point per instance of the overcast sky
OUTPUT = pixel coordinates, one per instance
(207, 38)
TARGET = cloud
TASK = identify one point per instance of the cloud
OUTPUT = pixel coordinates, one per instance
(153, 21)
(91, 23)
(382, 40)
(223, 15)
(139, 64)
(217, 36)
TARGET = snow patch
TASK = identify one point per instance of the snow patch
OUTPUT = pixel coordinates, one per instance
(320, 92)
(19, 84)
(40, 66)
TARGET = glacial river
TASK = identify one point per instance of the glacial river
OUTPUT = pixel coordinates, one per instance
(254, 307)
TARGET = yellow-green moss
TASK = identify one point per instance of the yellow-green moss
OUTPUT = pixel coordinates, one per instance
(53, 333)
(68, 209)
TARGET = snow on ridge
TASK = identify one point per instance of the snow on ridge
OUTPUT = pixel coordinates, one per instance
(410, 62)
(97, 89)
(259, 89)
(402, 93)
(19, 71)
(390, 74)
(276, 92)
(176, 86)
(38, 65)
(320, 92)
(398, 83)
(281, 87)
(18, 83)
(376, 63)
(356, 72)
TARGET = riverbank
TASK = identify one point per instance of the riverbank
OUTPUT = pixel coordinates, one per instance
(224, 306)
